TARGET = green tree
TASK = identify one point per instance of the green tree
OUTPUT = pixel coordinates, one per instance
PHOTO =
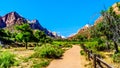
(101, 30)
(39, 35)
(81, 37)
(2, 33)
(112, 23)
(109, 27)
(25, 34)
(48, 40)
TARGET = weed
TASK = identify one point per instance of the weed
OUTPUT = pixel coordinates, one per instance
(116, 57)
(7, 59)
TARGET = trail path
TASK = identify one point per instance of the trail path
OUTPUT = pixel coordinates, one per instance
(70, 59)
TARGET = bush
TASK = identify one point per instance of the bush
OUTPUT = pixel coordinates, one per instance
(101, 47)
(6, 59)
(41, 64)
(62, 44)
(116, 57)
(67, 45)
(0, 48)
(100, 41)
(48, 51)
(91, 45)
(82, 52)
(96, 46)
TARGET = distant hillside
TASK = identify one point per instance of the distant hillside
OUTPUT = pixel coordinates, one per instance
(9, 20)
(85, 31)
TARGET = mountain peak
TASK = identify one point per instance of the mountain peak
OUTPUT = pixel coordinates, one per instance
(13, 18)
(87, 25)
(15, 14)
(35, 21)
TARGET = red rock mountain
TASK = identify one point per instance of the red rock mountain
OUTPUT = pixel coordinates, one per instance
(83, 31)
(14, 18)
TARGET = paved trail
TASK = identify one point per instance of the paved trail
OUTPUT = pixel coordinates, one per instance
(70, 59)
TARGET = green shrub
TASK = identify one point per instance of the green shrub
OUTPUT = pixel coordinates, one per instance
(62, 44)
(48, 51)
(67, 45)
(0, 46)
(91, 45)
(41, 64)
(116, 57)
(26, 59)
(100, 41)
(96, 46)
(7, 59)
(101, 47)
(82, 52)
(44, 63)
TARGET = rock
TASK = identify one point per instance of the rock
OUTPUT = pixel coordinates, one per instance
(14, 18)
(2, 24)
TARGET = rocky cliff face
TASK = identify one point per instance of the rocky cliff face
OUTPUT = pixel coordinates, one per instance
(2, 24)
(14, 18)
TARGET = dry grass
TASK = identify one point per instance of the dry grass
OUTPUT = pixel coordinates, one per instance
(108, 59)
(23, 56)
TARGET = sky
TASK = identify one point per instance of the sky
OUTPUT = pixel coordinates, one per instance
(65, 17)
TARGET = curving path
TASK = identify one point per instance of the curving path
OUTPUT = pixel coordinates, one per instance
(70, 59)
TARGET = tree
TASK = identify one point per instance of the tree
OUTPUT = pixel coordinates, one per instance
(81, 37)
(2, 33)
(25, 34)
(39, 35)
(48, 40)
(100, 31)
(8, 34)
(109, 27)
(112, 23)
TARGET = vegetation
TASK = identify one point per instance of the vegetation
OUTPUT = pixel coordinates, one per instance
(7, 59)
(82, 52)
(48, 51)
(42, 63)
(116, 57)
(118, 5)
(104, 37)
(25, 34)
(47, 48)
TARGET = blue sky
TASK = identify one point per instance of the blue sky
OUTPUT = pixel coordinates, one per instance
(62, 16)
